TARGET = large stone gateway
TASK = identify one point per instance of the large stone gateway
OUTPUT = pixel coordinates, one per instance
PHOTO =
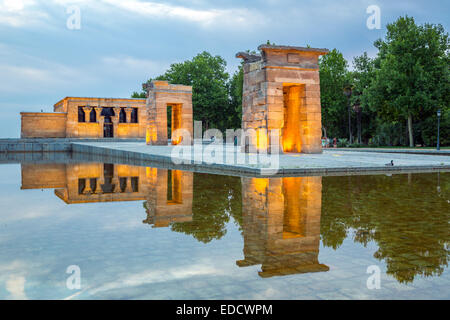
(161, 96)
(281, 100)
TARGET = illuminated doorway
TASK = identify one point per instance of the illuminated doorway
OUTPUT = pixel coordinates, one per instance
(293, 96)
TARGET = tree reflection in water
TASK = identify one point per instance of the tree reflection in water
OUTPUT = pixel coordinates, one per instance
(406, 215)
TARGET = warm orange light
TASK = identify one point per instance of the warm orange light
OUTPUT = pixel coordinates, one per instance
(151, 134)
(260, 184)
(261, 139)
(147, 136)
(294, 216)
(176, 187)
(176, 124)
(151, 173)
(291, 129)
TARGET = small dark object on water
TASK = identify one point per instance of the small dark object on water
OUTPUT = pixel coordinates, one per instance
(390, 164)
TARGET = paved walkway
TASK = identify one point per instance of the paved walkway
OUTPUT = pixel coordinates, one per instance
(400, 150)
(328, 162)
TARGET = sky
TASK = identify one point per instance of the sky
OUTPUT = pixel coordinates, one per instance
(107, 48)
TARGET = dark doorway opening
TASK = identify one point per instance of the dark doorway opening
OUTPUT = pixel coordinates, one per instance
(122, 116)
(108, 129)
(108, 174)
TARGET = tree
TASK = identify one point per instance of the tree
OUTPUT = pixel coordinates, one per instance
(333, 78)
(139, 95)
(373, 209)
(363, 69)
(412, 75)
(208, 78)
(235, 91)
(215, 200)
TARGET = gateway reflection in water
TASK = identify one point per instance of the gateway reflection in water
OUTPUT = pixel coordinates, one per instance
(281, 224)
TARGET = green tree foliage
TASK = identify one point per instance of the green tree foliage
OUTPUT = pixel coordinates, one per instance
(333, 78)
(139, 95)
(209, 80)
(412, 240)
(235, 88)
(361, 78)
(216, 199)
(411, 75)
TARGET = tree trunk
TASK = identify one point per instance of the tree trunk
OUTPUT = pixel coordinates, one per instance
(349, 123)
(359, 126)
(410, 131)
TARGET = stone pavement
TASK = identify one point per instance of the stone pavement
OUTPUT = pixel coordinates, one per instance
(329, 162)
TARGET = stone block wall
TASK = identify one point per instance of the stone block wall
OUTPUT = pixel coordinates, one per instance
(87, 129)
(161, 95)
(282, 93)
(43, 125)
(63, 123)
(42, 176)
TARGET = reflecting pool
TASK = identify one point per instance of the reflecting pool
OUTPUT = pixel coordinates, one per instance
(149, 233)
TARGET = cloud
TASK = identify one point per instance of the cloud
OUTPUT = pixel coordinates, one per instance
(15, 280)
(133, 64)
(23, 13)
(21, 72)
(20, 13)
(236, 17)
(15, 285)
(148, 277)
(47, 77)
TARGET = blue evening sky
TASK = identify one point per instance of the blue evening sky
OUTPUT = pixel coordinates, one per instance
(121, 43)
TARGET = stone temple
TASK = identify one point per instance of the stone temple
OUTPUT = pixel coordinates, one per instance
(280, 106)
(281, 99)
(78, 117)
(122, 118)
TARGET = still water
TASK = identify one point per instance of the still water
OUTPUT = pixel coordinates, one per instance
(146, 233)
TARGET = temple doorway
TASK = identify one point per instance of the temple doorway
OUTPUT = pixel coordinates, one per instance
(108, 127)
(174, 122)
(293, 96)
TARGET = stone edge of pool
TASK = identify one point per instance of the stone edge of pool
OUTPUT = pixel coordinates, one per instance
(81, 147)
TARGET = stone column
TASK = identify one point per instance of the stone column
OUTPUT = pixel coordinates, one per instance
(128, 112)
(100, 183)
(115, 179)
(100, 120)
(128, 188)
(98, 189)
(98, 112)
(115, 121)
(87, 113)
(87, 189)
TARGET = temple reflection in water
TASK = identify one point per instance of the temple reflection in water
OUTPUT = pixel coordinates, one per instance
(169, 198)
(281, 224)
(283, 220)
(280, 217)
(168, 193)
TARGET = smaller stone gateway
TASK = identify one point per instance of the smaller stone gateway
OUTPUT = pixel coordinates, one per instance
(281, 95)
(161, 96)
